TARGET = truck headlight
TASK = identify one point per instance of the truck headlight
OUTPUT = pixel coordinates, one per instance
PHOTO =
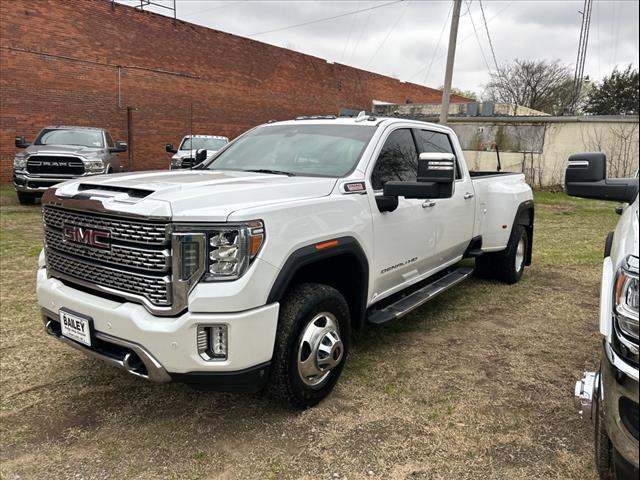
(19, 162)
(230, 250)
(176, 163)
(93, 166)
(625, 297)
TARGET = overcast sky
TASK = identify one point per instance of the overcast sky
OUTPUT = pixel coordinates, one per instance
(407, 39)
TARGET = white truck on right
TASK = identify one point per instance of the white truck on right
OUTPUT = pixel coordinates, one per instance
(194, 149)
(609, 397)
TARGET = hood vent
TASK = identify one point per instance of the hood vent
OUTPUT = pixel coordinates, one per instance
(132, 192)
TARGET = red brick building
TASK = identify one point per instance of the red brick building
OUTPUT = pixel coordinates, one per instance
(150, 80)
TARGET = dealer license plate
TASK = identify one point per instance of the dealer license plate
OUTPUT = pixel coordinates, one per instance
(75, 327)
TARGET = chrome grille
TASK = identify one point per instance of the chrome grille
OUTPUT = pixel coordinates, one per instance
(118, 255)
(121, 229)
(137, 260)
(155, 288)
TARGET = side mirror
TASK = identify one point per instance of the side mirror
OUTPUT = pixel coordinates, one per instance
(119, 147)
(21, 143)
(169, 148)
(436, 174)
(439, 168)
(586, 177)
(201, 155)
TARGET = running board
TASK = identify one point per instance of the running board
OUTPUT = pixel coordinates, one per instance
(419, 297)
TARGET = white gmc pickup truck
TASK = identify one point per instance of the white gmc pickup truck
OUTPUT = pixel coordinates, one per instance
(252, 269)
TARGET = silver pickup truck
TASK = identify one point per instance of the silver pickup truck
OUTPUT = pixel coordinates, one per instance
(60, 153)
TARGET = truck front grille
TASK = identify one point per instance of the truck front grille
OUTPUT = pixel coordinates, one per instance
(55, 165)
(132, 256)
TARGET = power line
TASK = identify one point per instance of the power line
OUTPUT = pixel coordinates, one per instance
(325, 19)
(486, 27)
(406, 6)
(477, 36)
(362, 30)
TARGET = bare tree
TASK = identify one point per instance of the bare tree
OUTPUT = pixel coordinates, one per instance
(619, 141)
(538, 84)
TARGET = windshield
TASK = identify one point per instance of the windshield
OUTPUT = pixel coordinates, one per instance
(315, 150)
(206, 143)
(82, 138)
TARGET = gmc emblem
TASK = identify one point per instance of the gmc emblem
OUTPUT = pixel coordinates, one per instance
(86, 236)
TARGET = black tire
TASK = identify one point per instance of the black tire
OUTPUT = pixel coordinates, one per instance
(25, 198)
(502, 266)
(603, 446)
(299, 307)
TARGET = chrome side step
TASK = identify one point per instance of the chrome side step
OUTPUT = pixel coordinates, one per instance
(419, 297)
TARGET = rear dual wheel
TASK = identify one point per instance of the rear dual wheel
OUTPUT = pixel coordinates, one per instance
(311, 345)
(508, 265)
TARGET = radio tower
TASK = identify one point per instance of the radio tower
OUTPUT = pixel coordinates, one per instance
(582, 54)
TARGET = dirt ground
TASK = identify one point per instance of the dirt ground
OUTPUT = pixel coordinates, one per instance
(476, 384)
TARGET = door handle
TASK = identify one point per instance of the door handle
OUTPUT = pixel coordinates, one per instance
(468, 195)
(428, 204)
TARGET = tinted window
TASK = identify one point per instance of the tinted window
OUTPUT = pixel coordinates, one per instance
(109, 139)
(329, 150)
(435, 142)
(83, 138)
(398, 160)
(202, 142)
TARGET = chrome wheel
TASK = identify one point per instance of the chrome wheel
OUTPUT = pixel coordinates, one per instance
(520, 251)
(320, 349)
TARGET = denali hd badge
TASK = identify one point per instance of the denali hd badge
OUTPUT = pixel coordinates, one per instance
(86, 236)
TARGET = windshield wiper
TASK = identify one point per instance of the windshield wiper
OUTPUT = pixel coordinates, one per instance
(274, 172)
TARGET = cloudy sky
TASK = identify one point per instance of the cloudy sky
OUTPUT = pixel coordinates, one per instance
(407, 39)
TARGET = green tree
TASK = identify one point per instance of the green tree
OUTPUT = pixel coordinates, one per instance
(617, 94)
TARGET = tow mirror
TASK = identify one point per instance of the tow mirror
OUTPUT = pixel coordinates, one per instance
(201, 155)
(436, 174)
(169, 148)
(21, 143)
(586, 177)
(119, 147)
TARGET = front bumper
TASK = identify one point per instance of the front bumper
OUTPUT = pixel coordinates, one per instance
(164, 348)
(619, 393)
(23, 182)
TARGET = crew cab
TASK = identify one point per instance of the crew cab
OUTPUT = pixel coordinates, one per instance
(608, 397)
(253, 268)
(62, 152)
(194, 149)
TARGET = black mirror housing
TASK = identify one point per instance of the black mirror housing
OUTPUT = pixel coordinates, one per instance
(119, 147)
(21, 143)
(410, 189)
(201, 155)
(586, 177)
(169, 148)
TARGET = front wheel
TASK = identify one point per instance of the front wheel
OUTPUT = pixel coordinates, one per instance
(311, 345)
(604, 448)
(26, 198)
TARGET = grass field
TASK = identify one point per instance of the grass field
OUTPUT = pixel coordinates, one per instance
(477, 384)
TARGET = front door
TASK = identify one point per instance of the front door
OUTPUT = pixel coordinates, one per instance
(404, 242)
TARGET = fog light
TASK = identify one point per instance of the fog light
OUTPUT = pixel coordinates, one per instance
(213, 342)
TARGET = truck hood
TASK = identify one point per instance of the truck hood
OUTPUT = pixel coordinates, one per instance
(193, 195)
(63, 149)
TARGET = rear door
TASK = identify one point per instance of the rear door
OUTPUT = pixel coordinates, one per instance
(404, 242)
(453, 217)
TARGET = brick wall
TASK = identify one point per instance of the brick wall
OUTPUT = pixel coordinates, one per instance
(85, 62)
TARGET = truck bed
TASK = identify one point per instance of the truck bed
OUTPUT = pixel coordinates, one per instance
(488, 173)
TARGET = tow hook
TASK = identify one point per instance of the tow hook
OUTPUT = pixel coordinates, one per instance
(585, 392)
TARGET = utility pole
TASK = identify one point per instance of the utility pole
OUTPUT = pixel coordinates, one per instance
(451, 53)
